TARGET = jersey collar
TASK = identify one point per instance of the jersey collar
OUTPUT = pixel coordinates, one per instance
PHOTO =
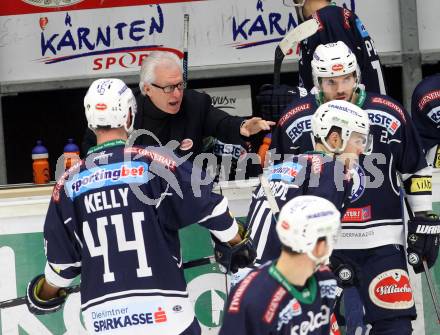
(360, 98)
(105, 145)
(307, 295)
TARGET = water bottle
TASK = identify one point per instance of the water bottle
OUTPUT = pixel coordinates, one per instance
(71, 154)
(40, 164)
(264, 147)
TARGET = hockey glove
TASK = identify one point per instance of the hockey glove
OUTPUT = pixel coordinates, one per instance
(423, 241)
(232, 258)
(346, 271)
(38, 306)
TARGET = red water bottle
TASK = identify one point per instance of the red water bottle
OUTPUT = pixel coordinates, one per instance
(71, 154)
(40, 164)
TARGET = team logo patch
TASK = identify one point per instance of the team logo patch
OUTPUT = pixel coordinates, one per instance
(434, 114)
(328, 288)
(345, 274)
(359, 181)
(292, 309)
(186, 144)
(392, 290)
(52, 3)
(361, 214)
(286, 172)
(413, 258)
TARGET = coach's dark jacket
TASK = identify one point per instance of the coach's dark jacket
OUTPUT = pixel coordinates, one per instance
(196, 119)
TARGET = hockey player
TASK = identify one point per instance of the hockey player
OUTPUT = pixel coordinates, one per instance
(114, 220)
(293, 294)
(372, 228)
(340, 130)
(425, 112)
(338, 24)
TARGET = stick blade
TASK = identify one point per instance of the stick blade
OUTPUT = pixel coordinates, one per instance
(301, 32)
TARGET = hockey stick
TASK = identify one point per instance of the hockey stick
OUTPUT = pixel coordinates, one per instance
(76, 288)
(290, 42)
(22, 300)
(431, 289)
(428, 275)
(269, 196)
(185, 48)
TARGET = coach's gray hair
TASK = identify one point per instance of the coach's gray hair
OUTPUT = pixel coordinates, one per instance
(149, 64)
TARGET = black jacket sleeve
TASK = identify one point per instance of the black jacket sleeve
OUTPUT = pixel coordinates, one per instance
(216, 122)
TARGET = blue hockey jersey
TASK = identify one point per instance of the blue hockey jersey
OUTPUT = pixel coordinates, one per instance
(312, 174)
(114, 220)
(264, 303)
(425, 112)
(374, 215)
(340, 24)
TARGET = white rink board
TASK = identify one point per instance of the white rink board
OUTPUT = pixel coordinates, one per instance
(34, 50)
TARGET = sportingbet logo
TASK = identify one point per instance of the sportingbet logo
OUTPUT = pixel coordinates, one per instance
(119, 173)
(158, 316)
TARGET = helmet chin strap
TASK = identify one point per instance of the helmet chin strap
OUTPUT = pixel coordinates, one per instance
(336, 151)
(299, 14)
(320, 260)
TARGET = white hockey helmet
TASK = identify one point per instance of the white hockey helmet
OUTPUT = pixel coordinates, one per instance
(333, 60)
(306, 219)
(108, 103)
(344, 115)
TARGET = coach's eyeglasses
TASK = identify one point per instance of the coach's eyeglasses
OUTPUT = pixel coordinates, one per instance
(170, 88)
